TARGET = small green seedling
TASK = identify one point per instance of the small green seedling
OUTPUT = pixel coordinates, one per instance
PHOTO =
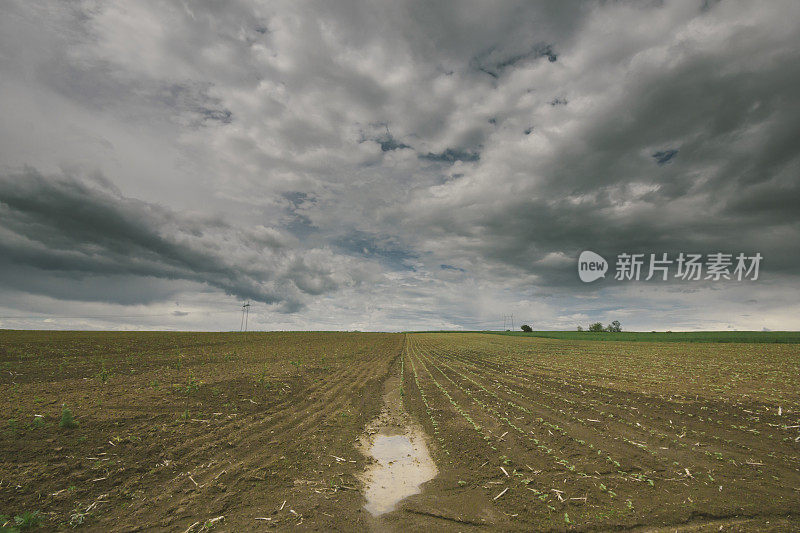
(67, 420)
(38, 422)
(192, 385)
(103, 373)
(24, 521)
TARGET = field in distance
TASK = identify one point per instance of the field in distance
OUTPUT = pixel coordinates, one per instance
(176, 430)
(666, 336)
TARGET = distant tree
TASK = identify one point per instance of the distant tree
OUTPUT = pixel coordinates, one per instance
(580, 328)
(614, 327)
(526, 328)
(596, 327)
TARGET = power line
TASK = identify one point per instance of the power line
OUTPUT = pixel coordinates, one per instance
(245, 316)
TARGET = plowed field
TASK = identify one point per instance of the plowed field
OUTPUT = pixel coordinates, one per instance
(234, 432)
(177, 429)
(541, 434)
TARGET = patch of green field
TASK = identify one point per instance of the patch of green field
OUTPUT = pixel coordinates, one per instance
(790, 337)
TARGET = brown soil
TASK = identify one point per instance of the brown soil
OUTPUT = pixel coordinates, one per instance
(521, 449)
(268, 431)
(185, 428)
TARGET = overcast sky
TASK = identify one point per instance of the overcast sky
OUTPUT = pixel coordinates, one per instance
(394, 165)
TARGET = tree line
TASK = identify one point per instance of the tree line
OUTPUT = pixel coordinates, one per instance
(597, 327)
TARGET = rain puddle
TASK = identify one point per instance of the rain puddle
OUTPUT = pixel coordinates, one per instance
(402, 465)
(401, 461)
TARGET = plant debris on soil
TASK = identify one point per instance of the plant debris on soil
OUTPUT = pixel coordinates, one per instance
(549, 435)
(251, 431)
(189, 431)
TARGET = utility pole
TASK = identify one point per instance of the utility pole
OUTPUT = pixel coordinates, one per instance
(245, 316)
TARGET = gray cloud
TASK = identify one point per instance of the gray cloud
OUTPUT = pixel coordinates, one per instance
(664, 157)
(451, 155)
(728, 106)
(367, 165)
(495, 61)
(70, 227)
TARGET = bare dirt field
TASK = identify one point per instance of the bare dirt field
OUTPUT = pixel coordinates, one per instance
(178, 429)
(546, 434)
(227, 432)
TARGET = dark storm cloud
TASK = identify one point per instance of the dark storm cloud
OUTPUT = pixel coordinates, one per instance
(524, 232)
(447, 159)
(767, 205)
(730, 108)
(385, 249)
(389, 143)
(75, 286)
(664, 157)
(451, 155)
(494, 62)
(74, 229)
